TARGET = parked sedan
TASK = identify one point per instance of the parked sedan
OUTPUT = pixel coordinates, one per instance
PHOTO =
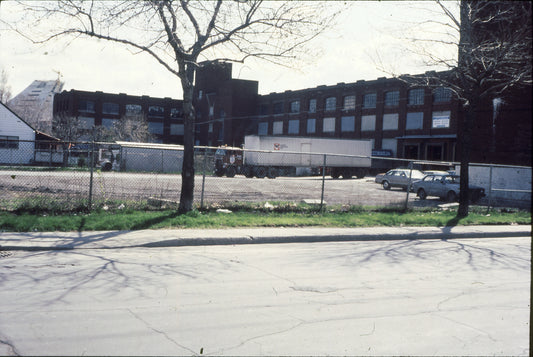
(446, 187)
(398, 178)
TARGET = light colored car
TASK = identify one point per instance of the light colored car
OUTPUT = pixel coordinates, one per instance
(446, 187)
(398, 178)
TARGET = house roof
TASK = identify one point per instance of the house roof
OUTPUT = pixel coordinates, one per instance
(39, 135)
(15, 114)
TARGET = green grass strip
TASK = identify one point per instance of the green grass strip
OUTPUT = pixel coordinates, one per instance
(169, 219)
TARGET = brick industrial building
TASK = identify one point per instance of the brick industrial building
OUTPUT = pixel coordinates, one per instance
(164, 115)
(401, 121)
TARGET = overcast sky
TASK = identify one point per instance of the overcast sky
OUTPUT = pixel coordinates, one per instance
(367, 43)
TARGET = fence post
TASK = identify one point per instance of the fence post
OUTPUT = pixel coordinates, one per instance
(408, 185)
(91, 168)
(50, 152)
(203, 179)
(323, 182)
(490, 188)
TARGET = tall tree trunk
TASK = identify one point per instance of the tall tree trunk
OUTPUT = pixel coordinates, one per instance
(469, 115)
(464, 61)
(187, 172)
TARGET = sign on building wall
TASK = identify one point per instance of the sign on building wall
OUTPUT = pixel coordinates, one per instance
(441, 120)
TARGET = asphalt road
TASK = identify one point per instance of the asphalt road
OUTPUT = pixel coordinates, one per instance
(137, 186)
(404, 297)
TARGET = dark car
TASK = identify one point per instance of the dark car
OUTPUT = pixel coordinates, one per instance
(398, 178)
(446, 187)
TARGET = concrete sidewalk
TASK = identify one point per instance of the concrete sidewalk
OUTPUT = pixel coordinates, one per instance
(194, 237)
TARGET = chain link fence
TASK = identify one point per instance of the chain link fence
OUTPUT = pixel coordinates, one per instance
(83, 176)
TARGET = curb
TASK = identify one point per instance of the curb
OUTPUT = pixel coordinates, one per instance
(180, 242)
(242, 239)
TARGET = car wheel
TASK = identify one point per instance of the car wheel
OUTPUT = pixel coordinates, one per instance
(422, 194)
(451, 197)
(386, 185)
(475, 197)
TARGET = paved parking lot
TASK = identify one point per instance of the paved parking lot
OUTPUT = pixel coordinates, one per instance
(139, 186)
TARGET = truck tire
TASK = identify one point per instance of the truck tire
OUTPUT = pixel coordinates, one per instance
(107, 166)
(260, 172)
(335, 173)
(346, 174)
(247, 172)
(360, 173)
(219, 172)
(231, 171)
(272, 173)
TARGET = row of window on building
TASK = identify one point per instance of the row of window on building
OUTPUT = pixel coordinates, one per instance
(153, 126)
(88, 106)
(392, 99)
(414, 121)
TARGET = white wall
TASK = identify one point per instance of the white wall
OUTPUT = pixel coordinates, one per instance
(12, 125)
(511, 186)
(151, 160)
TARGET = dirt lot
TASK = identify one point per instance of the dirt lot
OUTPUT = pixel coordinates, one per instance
(141, 186)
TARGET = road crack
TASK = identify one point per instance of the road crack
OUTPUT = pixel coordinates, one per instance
(160, 332)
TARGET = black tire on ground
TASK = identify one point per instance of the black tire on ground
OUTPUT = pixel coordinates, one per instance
(346, 174)
(386, 185)
(231, 171)
(247, 172)
(219, 172)
(272, 173)
(260, 172)
(421, 194)
(335, 173)
(451, 196)
(107, 166)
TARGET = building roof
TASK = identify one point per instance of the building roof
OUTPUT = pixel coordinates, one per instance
(39, 135)
(18, 116)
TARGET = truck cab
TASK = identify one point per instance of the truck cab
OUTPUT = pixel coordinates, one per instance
(228, 161)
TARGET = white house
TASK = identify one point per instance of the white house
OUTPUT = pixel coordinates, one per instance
(17, 138)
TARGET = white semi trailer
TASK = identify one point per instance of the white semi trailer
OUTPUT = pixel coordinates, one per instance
(272, 156)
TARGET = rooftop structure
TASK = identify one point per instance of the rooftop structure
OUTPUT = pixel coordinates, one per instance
(35, 104)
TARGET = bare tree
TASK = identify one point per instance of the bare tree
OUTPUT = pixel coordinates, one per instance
(132, 128)
(494, 53)
(180, 34)
(70, 130)
(5, 88)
